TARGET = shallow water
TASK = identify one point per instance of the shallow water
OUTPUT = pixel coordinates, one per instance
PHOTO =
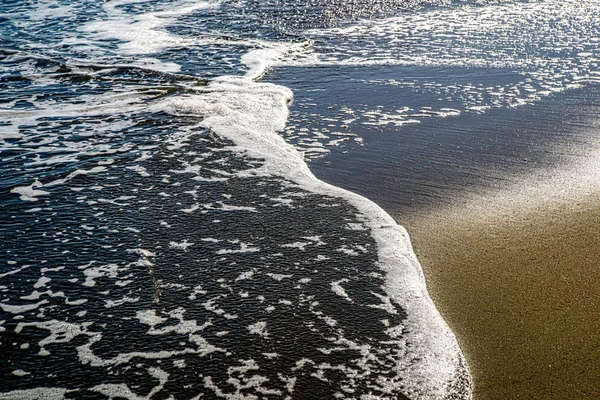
(166, 237)
(162, 241)
(417, 168)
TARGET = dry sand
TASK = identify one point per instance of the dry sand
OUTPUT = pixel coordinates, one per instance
(522, 293)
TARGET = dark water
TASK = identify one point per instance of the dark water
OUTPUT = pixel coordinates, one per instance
(161, 240)
(415, 167)
(182, 288)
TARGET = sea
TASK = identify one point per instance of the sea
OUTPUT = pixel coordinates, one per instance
(191, 191)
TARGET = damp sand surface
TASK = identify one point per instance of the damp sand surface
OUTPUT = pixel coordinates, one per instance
(515, 276)
(520, 290)
(504, 214)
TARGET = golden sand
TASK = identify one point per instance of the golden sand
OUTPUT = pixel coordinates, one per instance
(522, 294)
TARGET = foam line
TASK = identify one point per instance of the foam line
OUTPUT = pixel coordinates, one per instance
(260, 60)
(142, 34)
(37, 393)
(429, 362)
(251, 114)
(521, 36)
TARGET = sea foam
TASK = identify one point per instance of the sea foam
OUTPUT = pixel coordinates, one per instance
(428, 361)
(252, 114)
(517, 36)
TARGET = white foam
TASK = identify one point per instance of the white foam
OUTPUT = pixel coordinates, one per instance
(14, 271)
(59, 332)
(244, 248)
(92, 273)
(337, 288)
(279, 277)
(35, 295)
(76, 302)
(143, 34)
(36, 394)
(241, 382)
(87, 356)
(260, 60)
(296, 245)
(41, 282)
(344, 249)
(219, 206)
(50, 9)
(259, 328)
(184, 326)
(108, 103)
(197, 290)
(51, 148)
(211, 306)
(20, 309)
(140, 170)
(31, 192)
(112, 390)
(149, 317)
(251, 114)
(521, 36)
(183, 245)
(116, 303)
(245, 275)
(386, 304)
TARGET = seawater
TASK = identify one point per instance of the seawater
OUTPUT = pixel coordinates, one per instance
(162, 233)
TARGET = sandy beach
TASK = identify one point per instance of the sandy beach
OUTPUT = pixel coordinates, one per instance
(520, 290)
(508, 233)
(501, 205)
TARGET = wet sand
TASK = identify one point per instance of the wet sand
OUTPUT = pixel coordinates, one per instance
(517, 276)
(521, 290)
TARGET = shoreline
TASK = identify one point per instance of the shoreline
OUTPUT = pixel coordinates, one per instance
(489, 189)
(519, 290)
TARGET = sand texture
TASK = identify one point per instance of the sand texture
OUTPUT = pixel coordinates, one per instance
(522, 293)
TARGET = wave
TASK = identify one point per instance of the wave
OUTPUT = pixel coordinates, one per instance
(426, 361)
(552, 45)
(252, 114)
